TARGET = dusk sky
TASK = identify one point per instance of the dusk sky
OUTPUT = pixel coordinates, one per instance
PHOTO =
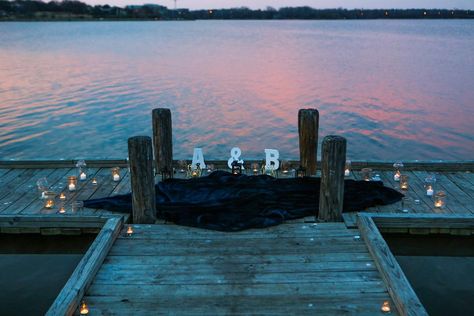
(255, 4)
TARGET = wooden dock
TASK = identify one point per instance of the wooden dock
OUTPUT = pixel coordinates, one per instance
(297, 268)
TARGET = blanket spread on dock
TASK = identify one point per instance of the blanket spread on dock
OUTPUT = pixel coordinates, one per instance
(226, 202)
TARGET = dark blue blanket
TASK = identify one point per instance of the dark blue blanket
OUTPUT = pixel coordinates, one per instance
(225, 202)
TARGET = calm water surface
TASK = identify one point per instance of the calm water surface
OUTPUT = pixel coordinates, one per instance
(395, 89)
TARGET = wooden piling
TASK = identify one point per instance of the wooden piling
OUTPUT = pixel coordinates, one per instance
(142, 180)
(331, 196)
(308, 125)
(162, 139)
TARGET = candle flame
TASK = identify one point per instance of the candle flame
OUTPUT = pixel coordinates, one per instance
(385, 307)
(84, 309)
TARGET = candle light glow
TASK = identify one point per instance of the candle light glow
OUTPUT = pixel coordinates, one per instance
(385, 307)
(83, 176)
(404, 182)
(84, 310)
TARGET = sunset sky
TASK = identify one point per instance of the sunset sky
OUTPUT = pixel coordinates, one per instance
(255, 4)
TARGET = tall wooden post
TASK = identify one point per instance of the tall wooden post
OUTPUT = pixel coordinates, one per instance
(140, 153)
(308, 125)
(331, 195)
(162, 139)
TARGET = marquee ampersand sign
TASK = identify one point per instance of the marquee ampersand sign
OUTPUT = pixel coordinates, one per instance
(235, 154)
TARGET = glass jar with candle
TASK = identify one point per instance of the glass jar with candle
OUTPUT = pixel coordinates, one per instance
(285, 168)
(347, 168)
(210, 168)
(440, 199)
(404, 182)
(81, 170)
(255, 168)
(366, 174)
(300, 172)
(49, 197)
(430, 181)
(236, 168)
(77, 206)
(43, 186)
(194, 173)
(182, 166)
(72, 183)
(397, 166)
(115, 173)
(406, 204)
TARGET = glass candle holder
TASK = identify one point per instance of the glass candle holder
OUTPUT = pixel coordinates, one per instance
(62, 196)
(429, 184)
(210, 168)
(300, 172)
(398, 166)
(255, 168)
(62, 209)
(285, 168)
(406, 204)
(94, 181)
(77, 206)
(182, 166)
(347, 168)
(72, 183)
(129, 231)
(115, 173)
(49, 199)
(81, 170)
(385, 308)
(194, 173)
(236, 168)
(366, 174)
(440, 199)
(84, 309)
(43, 186)
(404, 182)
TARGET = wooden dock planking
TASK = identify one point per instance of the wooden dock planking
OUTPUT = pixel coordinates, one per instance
(18, 190)
(238, 273)
(24, 193)
(309, 267)
(35, 206)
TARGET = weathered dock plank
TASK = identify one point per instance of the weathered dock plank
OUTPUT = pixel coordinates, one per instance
(167, 269)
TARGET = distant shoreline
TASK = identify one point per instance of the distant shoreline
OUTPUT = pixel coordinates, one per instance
(189, 20)
(34, 10)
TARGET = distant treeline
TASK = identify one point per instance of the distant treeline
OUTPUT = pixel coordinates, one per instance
(76, 10)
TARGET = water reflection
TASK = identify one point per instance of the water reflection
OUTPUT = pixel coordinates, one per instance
(395, 89)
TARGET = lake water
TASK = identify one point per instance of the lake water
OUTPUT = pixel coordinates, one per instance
(395, 89)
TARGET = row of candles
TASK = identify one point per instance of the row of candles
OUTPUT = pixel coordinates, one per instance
(429, 182)
(237, 168)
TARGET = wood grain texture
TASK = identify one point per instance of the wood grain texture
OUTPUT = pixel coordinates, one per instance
(308, 127)
(331, 196)
(162, 139)
(405, 299)
(166, 269)
(142, 179)
(68, 299)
